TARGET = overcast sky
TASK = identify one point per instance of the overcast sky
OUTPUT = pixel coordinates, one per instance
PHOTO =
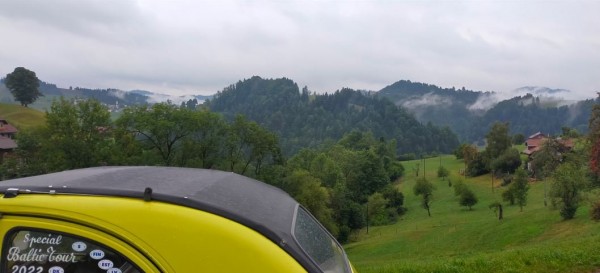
(201, 46)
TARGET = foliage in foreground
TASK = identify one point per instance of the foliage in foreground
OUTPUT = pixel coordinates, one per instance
(337, 183)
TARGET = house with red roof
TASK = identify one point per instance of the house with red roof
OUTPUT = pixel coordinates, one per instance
(7, 135)
(535, 142)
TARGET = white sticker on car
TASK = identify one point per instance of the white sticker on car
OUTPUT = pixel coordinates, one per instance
(97, 254)
(105, 264)
(79, 246)
(56, 269)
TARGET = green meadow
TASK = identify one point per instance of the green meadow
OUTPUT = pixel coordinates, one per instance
(456, 239)
(22, 117)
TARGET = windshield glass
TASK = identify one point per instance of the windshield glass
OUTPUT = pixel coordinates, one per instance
(319, 244)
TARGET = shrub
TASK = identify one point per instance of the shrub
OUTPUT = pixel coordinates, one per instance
(467, 198)
(507, 179)
(507, 162)
(459, 186)
(595, 211)
(442, 172)
(509, 196)
(478, 166)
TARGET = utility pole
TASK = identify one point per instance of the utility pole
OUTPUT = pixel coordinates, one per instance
(492, 180)
(423, 167)
(367, 217)
(545, 203)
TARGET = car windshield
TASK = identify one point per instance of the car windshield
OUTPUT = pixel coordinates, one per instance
(319, 244)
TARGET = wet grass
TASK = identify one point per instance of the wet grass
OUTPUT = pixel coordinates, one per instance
(22, 117)
(456, 239)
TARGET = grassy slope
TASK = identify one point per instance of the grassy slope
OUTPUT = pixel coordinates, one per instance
(455, 239)
(42, 103)
(22, 117)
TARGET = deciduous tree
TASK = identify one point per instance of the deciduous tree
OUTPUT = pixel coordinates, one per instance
(442, 172)
(497, 207)
(467, 198)
(520, 187)
(424, 189)
(204, 146)
(377, 209)
(594, 138)
(309, 192)
(509, 196)
(498, 140)
(248, 143)
(162, 127)
(478, 166)
(507, 162)
(79, 134)
(547, 159)
(24, 85)
(568, 182)
(459, 186)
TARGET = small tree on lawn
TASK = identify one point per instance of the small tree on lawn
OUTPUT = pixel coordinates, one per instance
(417, 168)
(568, 181)
(509, 196)
(520, 187)
(424, 189)
(442, 172)
(595, 211)
(468, 198)
(497, 207)
(459, 186)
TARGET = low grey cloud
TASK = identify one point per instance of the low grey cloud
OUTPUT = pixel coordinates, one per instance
(429, 99)
(199, 47)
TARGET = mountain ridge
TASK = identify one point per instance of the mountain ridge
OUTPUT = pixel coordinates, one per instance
(471, 113)
(468, 113)
(109, 96)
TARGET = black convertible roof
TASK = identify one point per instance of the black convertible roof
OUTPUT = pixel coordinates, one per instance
(255, 204)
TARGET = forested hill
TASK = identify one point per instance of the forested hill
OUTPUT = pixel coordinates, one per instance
(528, 114)
(441, 106)
(304, 119)
(471, 113)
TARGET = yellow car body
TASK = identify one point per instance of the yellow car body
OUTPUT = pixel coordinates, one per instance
(157, 219)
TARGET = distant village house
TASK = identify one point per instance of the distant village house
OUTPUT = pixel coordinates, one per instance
(7, 134)
(534, 143)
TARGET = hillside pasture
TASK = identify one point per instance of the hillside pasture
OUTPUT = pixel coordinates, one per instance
(456, 239)
(22, 117)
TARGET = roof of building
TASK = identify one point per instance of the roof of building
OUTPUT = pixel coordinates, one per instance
(537, 135)
(568, 142)
(533, 145)
(5, 127)
(260, 206)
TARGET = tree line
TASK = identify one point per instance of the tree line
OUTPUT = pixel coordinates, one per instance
(453, 107)
(346, 184)
(304, 119)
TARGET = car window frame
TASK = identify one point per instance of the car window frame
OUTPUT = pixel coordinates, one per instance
(347, 267)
